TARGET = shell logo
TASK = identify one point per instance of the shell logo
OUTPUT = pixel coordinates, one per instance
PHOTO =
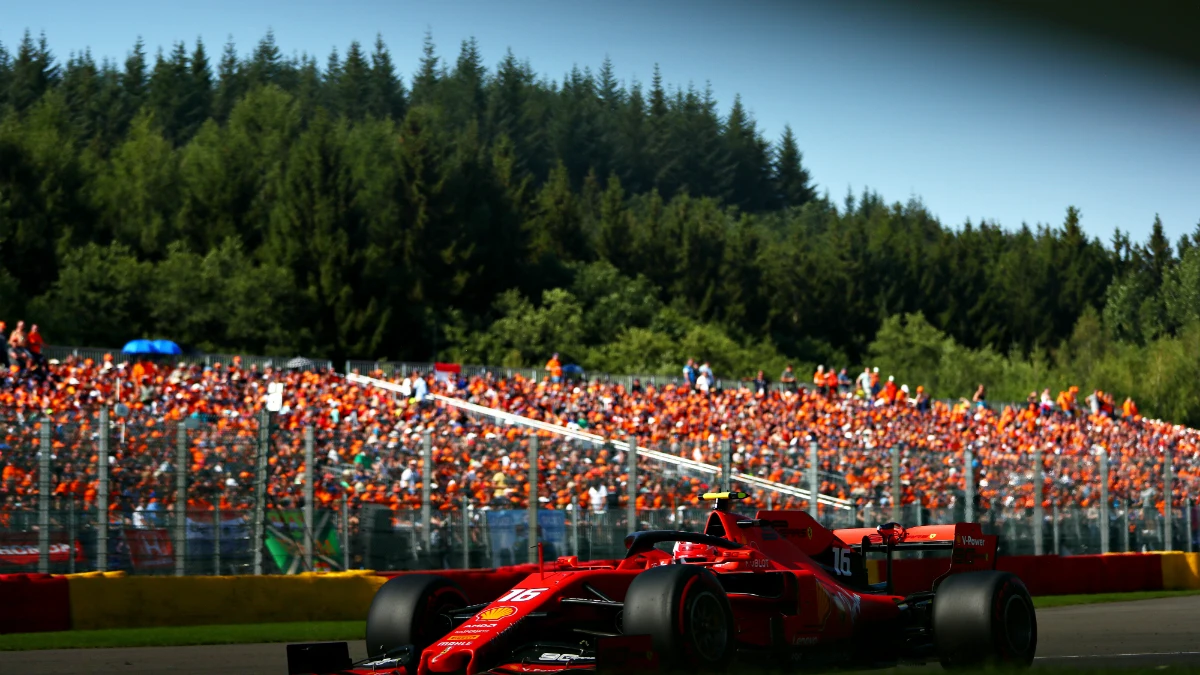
(933, 536)
(810, 532)
(493, 613)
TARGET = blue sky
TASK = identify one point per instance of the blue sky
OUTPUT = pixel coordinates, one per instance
(977, 121)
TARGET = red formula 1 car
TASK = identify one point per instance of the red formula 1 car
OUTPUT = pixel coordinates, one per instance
(779, 590)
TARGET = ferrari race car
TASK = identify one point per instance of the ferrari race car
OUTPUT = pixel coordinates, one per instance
(778, 590)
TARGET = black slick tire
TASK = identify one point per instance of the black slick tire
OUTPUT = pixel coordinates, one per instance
(410, 610)
(686, 613)
(984, 619)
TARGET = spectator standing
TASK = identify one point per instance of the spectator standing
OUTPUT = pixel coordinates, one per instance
(788, 379)
(760, 384)
(864, 383)
(555, 368)
(34, 342)
(689, 372)
(706, 370)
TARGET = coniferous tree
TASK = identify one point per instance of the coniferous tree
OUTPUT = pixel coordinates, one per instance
(793, 185)
(387, 98)
(198, 97)
(231, 82)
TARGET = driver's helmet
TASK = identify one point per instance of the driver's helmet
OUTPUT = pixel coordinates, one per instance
(687, 549)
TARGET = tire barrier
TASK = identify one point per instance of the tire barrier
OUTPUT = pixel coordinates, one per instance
(34, 603)
(42, 602)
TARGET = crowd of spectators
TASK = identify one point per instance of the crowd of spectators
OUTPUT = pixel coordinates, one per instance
(368, 440)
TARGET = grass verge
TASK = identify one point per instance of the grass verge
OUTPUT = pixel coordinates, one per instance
(1045, 601)
(173, 636)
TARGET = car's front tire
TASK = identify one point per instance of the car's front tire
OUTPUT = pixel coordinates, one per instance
(982, 619)
(686, 613)
(411, 610)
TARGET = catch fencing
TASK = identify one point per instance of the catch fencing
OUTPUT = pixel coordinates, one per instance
(90, 490)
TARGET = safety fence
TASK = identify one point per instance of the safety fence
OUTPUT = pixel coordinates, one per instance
(258, 495)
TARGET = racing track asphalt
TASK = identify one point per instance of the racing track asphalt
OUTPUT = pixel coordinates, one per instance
(1145, 633)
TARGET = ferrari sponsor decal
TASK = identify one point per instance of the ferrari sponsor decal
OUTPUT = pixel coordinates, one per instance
(809, 532)
(385, 663)
(481, 626)
(551, 656)
(453, 643)
(804, 641)
(494, 613)
(760, 563)
(933, 535)
(464, 636)
(968, 540)
(848, 604)
(522, 594)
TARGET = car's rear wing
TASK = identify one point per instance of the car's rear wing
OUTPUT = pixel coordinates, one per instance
(970, 549)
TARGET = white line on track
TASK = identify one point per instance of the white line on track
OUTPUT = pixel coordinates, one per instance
(1108, 656)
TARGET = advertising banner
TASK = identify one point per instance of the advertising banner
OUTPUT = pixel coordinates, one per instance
(25, 554)
(508, 531)
(150, 549)
(285, 540)
(234, 535)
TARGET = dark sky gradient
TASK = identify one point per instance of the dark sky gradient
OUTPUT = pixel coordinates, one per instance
(978, 114)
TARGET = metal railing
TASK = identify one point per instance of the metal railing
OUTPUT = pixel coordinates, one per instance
(86, 490)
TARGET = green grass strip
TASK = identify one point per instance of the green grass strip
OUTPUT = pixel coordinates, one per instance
(319, 631)
(177, 636)
(1044, 601)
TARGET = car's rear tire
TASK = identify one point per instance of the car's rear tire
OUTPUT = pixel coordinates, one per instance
(984, 619)
(410, 610)
(686, 613)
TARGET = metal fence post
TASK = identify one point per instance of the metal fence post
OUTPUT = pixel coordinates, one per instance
(727, 464)
(217, 536)
(426, 488)
(1104, 524)
(102, 493)
(533, 497)
(1039, 486)
(632, 482)
(1168, 498)
(896, 498)
(969, 481)
(309, 521)
(345, 532)
(44, 498)
(71, 536)
(1057, 534)
(181, 471)
(466, 533)
(260, 489)
(1125, 524)
(814, 482)
(1187, 522)
(576, 514)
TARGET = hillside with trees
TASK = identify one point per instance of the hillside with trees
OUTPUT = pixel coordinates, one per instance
(489, 214)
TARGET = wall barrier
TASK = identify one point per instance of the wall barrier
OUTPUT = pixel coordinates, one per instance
(34, 603)
(1068, 575)
(114, 600)
(42, 602)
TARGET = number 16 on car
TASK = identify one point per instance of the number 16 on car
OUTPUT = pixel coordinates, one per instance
(522, 594)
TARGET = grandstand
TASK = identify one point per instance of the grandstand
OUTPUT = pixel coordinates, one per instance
(180, 465)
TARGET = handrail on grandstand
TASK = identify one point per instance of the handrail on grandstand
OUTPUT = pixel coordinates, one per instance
(580, 435)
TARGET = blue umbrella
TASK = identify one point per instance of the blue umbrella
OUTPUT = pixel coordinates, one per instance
(139, 347)
(151, 347)
(166, 347)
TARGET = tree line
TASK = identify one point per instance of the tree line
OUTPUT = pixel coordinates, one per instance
(271, 204)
